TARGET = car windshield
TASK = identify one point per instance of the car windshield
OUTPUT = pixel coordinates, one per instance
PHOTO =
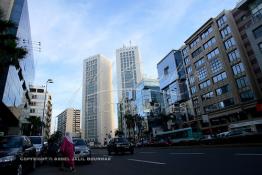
(121, 140)
(79, 142)
(35, 140)
(10, 142)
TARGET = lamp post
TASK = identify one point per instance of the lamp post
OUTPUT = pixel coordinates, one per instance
(42, 127)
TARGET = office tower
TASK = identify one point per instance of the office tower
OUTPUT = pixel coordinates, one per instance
(39, 96)
(69, 121)
(128, 71)
(248, 18)
(97, 99)
(222, 83)
(15, 80)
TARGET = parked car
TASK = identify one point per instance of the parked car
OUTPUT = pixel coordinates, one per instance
(120, 144)
(14, 150)
(235, 133)
(142, 143)
(39, 144)
(82, 150)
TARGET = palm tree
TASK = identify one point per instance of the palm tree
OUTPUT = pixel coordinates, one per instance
(35, 125)
(130, 123)
(164, 119)
(10, 52)
(119, 133)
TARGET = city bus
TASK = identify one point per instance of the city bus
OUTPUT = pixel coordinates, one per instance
(179, 135)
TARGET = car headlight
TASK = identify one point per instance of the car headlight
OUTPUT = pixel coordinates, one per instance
(7, 159)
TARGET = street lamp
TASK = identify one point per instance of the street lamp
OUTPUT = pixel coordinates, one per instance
(42, 127)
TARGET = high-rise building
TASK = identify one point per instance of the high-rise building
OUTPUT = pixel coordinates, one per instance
(97, 99)
(15, 80)
(172, 80)
(221, 80)
(128, 71)
(69, 121)
(39, 96)
(149, 101)
(174, 86)
(248, 18)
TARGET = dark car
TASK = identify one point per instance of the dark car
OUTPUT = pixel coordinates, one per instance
(82, 150)
(16, 155)
(122, 145)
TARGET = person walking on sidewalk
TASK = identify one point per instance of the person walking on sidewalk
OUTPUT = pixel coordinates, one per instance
(67, 150)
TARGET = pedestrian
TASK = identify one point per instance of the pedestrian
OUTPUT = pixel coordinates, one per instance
(67, 150)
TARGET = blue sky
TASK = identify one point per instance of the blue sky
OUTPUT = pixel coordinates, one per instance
(72, 30)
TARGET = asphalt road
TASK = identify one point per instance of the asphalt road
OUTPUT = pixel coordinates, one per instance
(171, 161)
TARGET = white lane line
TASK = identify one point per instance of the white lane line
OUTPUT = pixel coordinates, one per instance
(147, 152)
(247, 154)
(186, 153)
(145, 161)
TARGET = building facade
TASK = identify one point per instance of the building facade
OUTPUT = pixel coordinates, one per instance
(248, 18)
(69, 121)
(39, 96)
(97, 99)
(128, 71)
(221, 81)
(15, 80)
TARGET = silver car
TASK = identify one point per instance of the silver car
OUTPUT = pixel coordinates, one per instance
(82, 150)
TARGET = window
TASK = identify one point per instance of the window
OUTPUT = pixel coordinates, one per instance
(238, 68)
(202, 73)
(197, 110)
(189, 70)
(208, 95)
(225, 32)
(205, 84)
(191, 80)
(185, 51)
(234, 55)
(207, 32)
(225, 103)
(199, 62)
(193, 90)
(242, 82)
(186, 60)
(221, 21)
(195, 101)
(246, 96)
(229, 43)
(197, 52)
(222, 90)
(40, 90)
(209, 43)
(213, 53)
(216, 65)
(220, 77)
(194, 43)
(166, 70)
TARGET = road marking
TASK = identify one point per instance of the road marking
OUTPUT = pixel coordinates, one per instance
(247, 154)
(186, 153)
(147, 152)
(145, 161)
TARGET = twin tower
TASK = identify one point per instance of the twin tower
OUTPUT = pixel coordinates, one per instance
(98, 95)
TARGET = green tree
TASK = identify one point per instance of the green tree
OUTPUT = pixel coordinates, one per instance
(130, 123)
(10, 52)
(119, 133)
(35, 125)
